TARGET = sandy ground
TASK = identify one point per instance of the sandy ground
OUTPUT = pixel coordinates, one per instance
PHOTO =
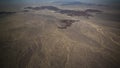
(33, 40)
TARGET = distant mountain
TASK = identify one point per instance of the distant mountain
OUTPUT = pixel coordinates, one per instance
(64, 3)
(72, 3)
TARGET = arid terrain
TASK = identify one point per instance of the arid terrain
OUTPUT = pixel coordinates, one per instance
(60, 36)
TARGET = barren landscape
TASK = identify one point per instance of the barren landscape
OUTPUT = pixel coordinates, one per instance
(54, 36)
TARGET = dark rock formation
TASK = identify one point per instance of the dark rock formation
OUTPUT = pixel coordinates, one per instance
(50, 8)
(67, 12)
(66, 23)
(44, 7)
(28, 8)
(25, 11)
(93, 11)
(6, 13)
(74, 13)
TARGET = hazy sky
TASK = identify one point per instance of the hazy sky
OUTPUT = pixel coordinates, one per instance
(36, 1)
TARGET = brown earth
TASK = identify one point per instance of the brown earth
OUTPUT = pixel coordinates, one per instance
(33, 40)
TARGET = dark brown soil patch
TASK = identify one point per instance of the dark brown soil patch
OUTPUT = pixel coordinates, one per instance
(66, 23)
